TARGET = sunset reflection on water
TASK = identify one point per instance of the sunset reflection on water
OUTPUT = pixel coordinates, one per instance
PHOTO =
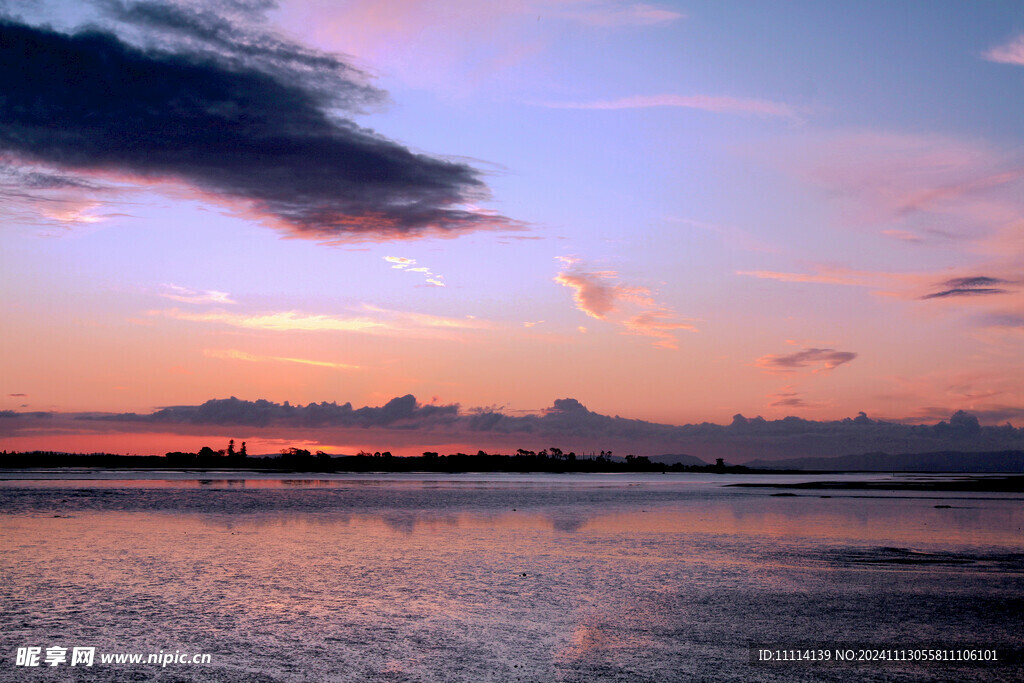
(436, 580)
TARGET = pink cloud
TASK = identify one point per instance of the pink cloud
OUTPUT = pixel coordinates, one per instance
(1008, 53)
(615, 13)
(659, 323)
(823, 275)
(933, 198)
(713, 103)
(53, 198)
(903, 235)
(592, 292)
(921, 286)
(600, 295)
(411, 39)
(993, 395)
(930, 188)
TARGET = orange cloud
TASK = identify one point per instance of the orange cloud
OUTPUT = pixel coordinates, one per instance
(373, 321)
(659, 323)
(73, 212)
(592, 292)
(233, 354)
(284, 321)
(601, 296)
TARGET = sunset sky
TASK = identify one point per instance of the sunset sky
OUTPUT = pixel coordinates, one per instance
(668, 211)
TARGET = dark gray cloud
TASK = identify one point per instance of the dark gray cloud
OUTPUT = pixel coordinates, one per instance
(827, 359)
(969, 286)
(231, 33)
(35, 415)
(1002, 320)
(398, 413)
(39, 185)
(187, 95)
(964, 291)
(571, 426)
(788, 400)
(977, 281)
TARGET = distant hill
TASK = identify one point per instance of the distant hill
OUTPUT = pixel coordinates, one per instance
(942, 461)
(681, 459)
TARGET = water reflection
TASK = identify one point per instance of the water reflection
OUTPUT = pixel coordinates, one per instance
(436, 581)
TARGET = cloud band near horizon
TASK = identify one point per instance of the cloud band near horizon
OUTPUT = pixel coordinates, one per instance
(567, 423)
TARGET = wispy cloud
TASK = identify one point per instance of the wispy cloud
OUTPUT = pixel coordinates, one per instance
(994, 394)
(405, 264)
(74, 212)
(825, 275)
(922, 188)
(821, 360)
(898, 285)
(904, 236)
(713, 103)
(613, 13)
(283, 321)
(991, 304)
(498, 42)
(371, 320)
(1011, 52)
(730, 235)
(602, 296)
(969, 286)
(192, 296)
(787, 398)
(234, 354)
(660, 323)
(32, 193)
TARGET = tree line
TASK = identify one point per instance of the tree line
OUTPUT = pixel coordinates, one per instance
(552, 459)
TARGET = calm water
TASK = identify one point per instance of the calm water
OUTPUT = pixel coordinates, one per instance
(496, 577)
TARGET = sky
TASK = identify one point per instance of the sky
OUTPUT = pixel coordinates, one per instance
(671, 212)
